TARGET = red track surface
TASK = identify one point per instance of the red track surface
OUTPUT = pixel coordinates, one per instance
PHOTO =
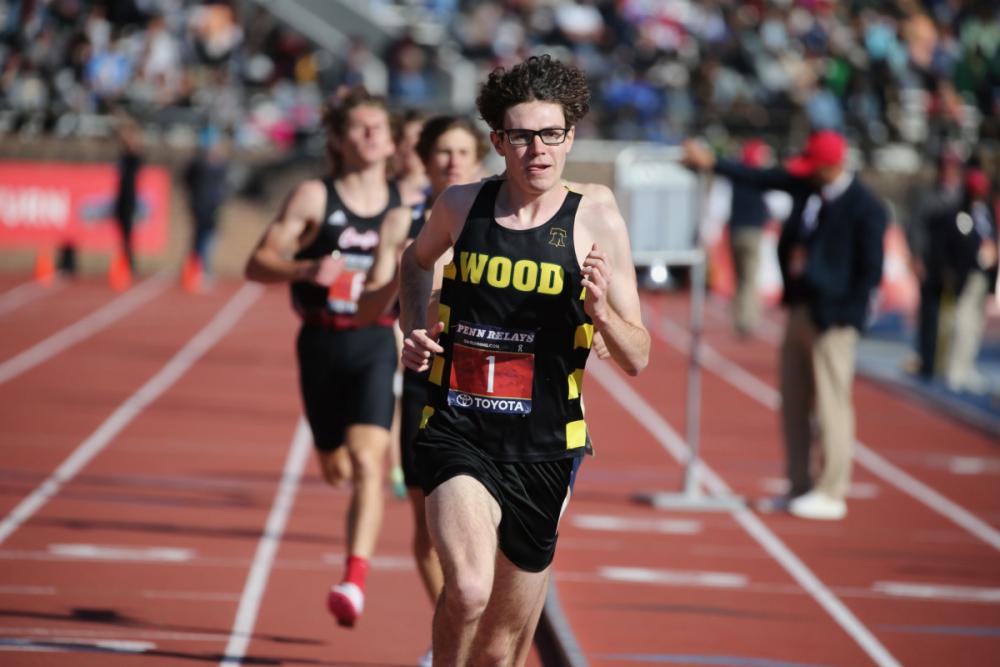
(182, 477)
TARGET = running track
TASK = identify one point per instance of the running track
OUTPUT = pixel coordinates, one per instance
(161, 506)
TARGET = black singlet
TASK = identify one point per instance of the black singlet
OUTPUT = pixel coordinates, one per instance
(516, 339)
(356, 238)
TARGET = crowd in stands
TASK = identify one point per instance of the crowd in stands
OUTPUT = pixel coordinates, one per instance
(879, 70)
(910, 71)
(176, 65)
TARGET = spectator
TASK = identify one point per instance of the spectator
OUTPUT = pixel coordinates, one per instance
(206, 180)
(410, 84)
(971, 258)
(748, 213)
(127, 199)
(932, 211)
(830, 253)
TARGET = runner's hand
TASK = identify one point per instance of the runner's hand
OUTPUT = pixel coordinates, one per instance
(596, 276)
(325, 270)
(420, 347)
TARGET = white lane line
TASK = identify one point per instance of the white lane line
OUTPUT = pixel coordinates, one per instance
(937, 591)
(906, 595)
(27, 590)
(121, 634)
(105, 552)
(641, 575)
(972, 465)
(260, 570)
(322, 564)
(866, 457)
(25, 293)
(200, 596)
(73, 645)
(668, 438)
(81, 329)
(130, 409)
(636, 524)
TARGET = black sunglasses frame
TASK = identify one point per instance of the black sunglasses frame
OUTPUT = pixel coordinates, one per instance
(535, 133)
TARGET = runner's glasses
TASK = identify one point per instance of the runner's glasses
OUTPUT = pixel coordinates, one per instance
(550, 136)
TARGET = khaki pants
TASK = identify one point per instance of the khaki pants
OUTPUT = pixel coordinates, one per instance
(967, 334)
(744, 242)
(817, 373)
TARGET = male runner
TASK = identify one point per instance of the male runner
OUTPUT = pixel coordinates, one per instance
(322, 243)
(536, 271)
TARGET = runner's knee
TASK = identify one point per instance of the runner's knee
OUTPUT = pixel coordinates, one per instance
(467, 595)
(336, 467)
(367, 464)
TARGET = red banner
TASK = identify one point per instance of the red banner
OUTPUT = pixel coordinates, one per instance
(50, 203)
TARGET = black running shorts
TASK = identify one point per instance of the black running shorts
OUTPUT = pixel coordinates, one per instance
(416, 395)
(346, 379)
(530, 495)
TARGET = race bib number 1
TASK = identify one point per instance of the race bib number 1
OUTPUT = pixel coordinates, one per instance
(492, 369)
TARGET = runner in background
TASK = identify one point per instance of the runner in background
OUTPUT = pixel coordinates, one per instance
(407, 168)
(452, 149)
(322, 243)
(410, 175)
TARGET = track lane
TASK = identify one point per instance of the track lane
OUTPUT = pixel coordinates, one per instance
(119, 504)
(915, 449)
(20, 294)
(225, 427)
(845, 554)
(88, 325)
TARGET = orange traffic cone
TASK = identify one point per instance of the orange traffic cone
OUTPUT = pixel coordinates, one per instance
(120, 273)
(45, 266)
(191, 275)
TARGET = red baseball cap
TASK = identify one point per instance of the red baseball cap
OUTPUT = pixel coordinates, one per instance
(977, 183)
(825, 148)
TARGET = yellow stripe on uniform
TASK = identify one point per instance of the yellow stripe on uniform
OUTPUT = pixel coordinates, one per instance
(444, 315)
(425, 415)
(437, 370)
(583, 294)
(449, 271)
(576, 434)
(584, 336)
(575, 383)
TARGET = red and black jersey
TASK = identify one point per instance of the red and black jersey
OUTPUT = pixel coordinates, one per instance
(355, 237)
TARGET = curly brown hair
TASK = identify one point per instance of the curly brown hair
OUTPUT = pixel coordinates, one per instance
(438, 125)
(539, 78)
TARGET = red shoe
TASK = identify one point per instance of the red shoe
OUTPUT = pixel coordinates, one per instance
(346, 602)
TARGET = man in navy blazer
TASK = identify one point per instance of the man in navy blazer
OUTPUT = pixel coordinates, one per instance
(830, 253)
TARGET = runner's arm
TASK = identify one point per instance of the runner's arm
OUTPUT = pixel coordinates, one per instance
(612, 298)
(273, 259)
(382, 283)
(417, 276)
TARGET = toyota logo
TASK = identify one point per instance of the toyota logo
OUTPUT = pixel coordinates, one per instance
(463, 400)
